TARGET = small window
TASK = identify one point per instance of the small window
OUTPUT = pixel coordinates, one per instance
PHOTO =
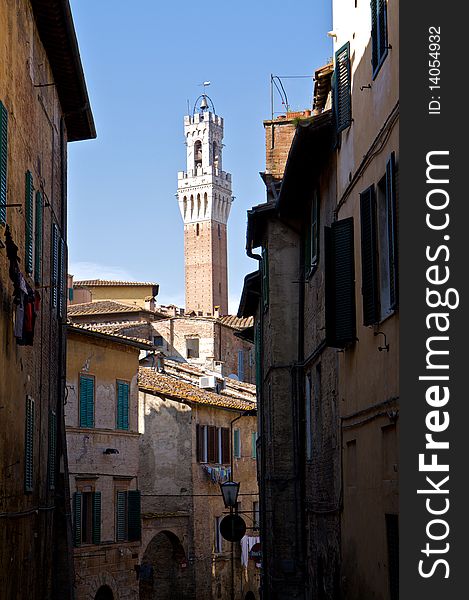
(87, 517)
(218, 536)
(219, 231)
(128, 515)
(192, 347)
(241, 365)
(3, 162)
(197, 154)
(29, 445)
(379, 34)
(29, 223)
(197, 229)
(122, 421)
(158, 341)
(312, 236)
(52, 449)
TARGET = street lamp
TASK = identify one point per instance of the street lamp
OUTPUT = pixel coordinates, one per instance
(230, 491)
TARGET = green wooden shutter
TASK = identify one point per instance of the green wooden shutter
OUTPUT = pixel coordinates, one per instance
(86, 401)
(3, 162)
(253, 444)
(52, 448)
(28, 201)
(265, 278)
(38, 239)
(391, 206)
(374, 35)
(77, 504)
(342, 95)
(237, 443)
(29, 445)
(340, 284)
(55, 264)
(122, 405)
(369, 246)
(121, 510)
(379, 33)
(96, 528)
(61, 278)
(134, 516)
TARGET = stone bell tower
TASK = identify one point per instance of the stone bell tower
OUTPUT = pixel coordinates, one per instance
(204, 196)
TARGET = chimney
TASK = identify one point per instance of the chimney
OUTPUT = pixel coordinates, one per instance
(150, 303)
(216, 312)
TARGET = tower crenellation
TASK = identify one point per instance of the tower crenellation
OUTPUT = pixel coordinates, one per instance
(205, 198)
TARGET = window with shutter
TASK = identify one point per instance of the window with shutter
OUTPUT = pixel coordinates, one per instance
(379, 34)
(342, 91)
(254, 444)
(86, 401)
(225, 446)
(391, 206)
(61, 277)
(52, 448)
(96, 519)
(212, 444)
(134, 516)
(38, 239)
(240, 365)
(237, 443)
(28, 202)
(29, 445)
(265, 278)
(77, 518)
(312, 237)
(3, 162)
(121, 516)
(55, 264)
(122, 405)
(340, 284)
(202, 443)
(369, 248)
(257, 346)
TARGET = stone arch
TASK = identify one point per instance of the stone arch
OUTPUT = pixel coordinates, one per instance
(250, 596)
(165, 572)
(103, 580)
(205, 204)
(197, 154)
(104, 593)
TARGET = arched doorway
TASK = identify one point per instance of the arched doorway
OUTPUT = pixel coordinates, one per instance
(164, 569)
(249, 596)
(104, 593)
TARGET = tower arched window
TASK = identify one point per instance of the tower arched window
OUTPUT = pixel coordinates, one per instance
(197, 154)
(205, 204)
(197, 229)
(215, 157)
(184, 203)
(198, 205)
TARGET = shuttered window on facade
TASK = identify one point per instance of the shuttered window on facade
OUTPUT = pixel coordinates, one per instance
(55, 264)
(240, 365)
(342, 89)
(340, 284)
(134, 516)
(52, 450)
(391, 206)
(370, 257)
(121, 516)
(379, 34)
(122, 405)
(29, 445)
(86, 401)
(212, 444)
(312, 236)
(265, 278)
(200, 441)
(86, 518)
(258, 361)
(237, 443)
(38, 239)
(3, 162)
(225, 446)
(28, 203)
(61, 279)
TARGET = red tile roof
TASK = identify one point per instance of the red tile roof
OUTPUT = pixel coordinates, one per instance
(108, 283)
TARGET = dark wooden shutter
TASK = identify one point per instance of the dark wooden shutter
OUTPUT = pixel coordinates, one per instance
(265, 277)
(52, 448)
(391, 206)
(3, 162)
(29, 445)
(86, 401)
(38, 239)
(28, 201)
(77, 504)
(340, 283)
(369, 246)
(374, 35)
(55, 264)
(379, 33)
(200, 439)
(121, 510)
(62, 275)
(134, 516)
(342, 95)
(96, 528)
(382, 29)
(122, 405)
(212, 444)
(225, 446)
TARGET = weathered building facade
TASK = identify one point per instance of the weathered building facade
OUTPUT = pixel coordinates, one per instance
(43, 106)
(191, 440)
(325, 302)
(101, 416)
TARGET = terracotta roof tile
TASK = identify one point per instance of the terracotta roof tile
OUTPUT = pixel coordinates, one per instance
(151, 381)
(102, 307)
(117, 337)
(107, 282)
(236, 322)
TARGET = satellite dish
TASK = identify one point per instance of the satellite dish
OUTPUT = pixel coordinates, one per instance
(233, 376)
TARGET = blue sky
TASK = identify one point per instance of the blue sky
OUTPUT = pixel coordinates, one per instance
(141, 66)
